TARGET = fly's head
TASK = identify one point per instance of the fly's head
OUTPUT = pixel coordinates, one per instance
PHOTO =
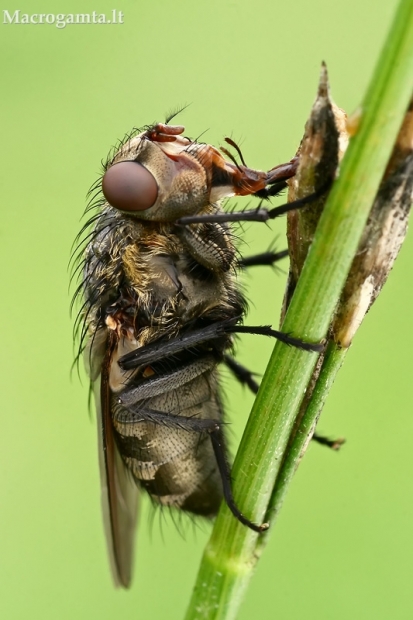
(159, 175)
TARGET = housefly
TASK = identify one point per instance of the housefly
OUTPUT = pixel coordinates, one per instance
(161, 303)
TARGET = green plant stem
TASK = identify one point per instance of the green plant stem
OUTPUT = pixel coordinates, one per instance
(231, 552)
(333, 360)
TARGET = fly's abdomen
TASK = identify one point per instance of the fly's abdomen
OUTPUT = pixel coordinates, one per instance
(175, 465)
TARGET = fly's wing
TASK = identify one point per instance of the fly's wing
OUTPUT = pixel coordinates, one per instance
(119, 491)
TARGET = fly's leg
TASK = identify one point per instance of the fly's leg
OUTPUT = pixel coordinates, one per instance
(196, 425)
(334, 444)
(241, 373)
(272, 190)
(246, 377)
(217, 439)
(166, 381)
(163, 349)
(266, 330)
(209, 244)
(264, 258)
(261, 214)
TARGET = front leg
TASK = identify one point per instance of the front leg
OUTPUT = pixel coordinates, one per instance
(209, 244)
(260, 214)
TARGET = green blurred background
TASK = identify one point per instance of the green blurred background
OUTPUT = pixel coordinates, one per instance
(343, 545)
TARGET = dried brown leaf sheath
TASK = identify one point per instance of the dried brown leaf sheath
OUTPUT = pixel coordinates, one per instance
(322, 148)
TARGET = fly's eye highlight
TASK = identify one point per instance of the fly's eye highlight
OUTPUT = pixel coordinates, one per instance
(129, 186)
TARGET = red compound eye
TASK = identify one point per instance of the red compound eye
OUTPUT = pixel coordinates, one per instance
(129, 186)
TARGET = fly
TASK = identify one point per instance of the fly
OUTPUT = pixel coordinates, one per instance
(161, 303)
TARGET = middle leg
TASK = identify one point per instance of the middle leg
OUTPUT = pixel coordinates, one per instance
(246, 377)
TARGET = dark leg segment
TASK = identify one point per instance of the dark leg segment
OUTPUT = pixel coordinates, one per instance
(217, 439)
(334, 444)
(162, 349)
(254, 215)
(161, 383)
(265, 330)
(273, 190)
(246, 377)
(265, 258)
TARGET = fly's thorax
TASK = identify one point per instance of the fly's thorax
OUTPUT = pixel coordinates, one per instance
(143, 282)
(102, 266)
(171, 286)
(206, 295)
